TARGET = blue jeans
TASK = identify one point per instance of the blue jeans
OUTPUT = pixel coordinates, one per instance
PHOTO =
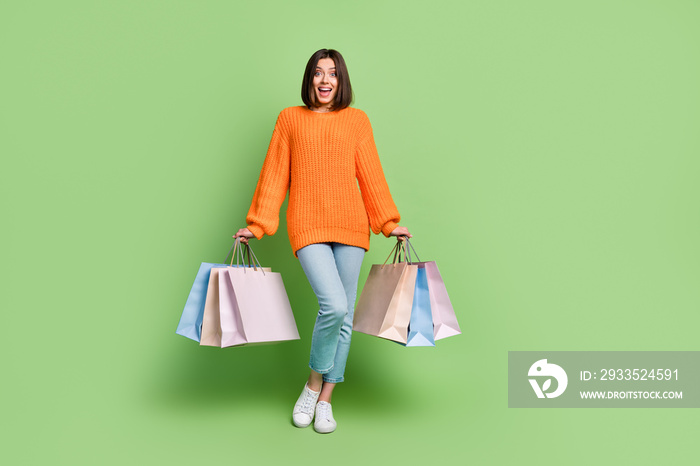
(333, 270)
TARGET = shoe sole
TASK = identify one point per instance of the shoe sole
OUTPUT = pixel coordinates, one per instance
(302, 426)
(323, 431)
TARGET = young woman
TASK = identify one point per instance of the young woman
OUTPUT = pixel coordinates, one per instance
(320, 152)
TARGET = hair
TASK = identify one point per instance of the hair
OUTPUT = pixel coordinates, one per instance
(343, 96)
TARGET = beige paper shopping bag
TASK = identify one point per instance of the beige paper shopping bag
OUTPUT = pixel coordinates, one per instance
(376, 296)
(211, 325)
(384, 307)
(398, 316)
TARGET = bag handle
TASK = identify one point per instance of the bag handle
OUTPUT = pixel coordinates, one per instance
(412, 248)
(233, 248)
(249, 251)
(244, 256)
(406, 252)
(397, 252)
(394, 252)
(401, 254)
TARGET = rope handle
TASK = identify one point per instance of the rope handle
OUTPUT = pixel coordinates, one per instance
(402, 253)
(242, 257)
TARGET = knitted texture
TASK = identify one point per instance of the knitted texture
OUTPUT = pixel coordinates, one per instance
(321, 158)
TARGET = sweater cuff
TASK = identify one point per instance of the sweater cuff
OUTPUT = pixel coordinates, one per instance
(389, 227)
(256, 230)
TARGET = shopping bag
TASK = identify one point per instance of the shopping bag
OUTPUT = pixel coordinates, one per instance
(211, 322)
(229, 317)
(444, 318)
(220, 322)
(261, 309)
(420, 328)
(190, 324)
(398, 315)
(384, 307)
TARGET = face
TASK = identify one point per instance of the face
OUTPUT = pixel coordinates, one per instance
(325, 82)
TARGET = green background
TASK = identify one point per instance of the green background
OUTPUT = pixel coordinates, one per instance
(544, 153)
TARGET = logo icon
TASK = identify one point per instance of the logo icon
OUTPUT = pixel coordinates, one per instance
(542, 368)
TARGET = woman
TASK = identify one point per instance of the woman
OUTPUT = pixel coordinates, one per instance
(320, 152)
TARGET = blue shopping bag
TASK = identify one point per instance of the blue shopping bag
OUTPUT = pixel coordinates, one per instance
(190, 325)
(420, 327)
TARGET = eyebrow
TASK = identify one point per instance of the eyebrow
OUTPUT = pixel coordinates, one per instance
(319, 68)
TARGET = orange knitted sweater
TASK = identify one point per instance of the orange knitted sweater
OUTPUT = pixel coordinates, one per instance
(321, 158)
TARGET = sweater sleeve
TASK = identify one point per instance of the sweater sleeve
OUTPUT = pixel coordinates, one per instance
(263, 215)
(381, 210)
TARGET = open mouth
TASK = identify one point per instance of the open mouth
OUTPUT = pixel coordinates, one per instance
(324, 91)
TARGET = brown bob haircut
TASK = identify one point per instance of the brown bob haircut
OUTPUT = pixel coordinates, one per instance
(343, 96)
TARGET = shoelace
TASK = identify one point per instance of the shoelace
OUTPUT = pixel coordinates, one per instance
(307, 402)
(324, 411)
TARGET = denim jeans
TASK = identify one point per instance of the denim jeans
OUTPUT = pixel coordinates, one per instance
(333, 270)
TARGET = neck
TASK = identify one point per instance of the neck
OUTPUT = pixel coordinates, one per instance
(324, 109)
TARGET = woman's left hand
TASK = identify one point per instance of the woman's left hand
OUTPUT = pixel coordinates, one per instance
(400, 232)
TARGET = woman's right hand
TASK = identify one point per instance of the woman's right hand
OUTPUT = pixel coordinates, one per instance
(244, 234)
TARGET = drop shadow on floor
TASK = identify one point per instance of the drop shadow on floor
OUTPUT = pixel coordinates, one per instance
(191, 378)
(186, 377)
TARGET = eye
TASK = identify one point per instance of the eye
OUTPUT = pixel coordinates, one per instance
(333, 74)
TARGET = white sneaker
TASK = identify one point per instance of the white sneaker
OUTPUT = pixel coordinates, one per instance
(324, 423)
(304, 408)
